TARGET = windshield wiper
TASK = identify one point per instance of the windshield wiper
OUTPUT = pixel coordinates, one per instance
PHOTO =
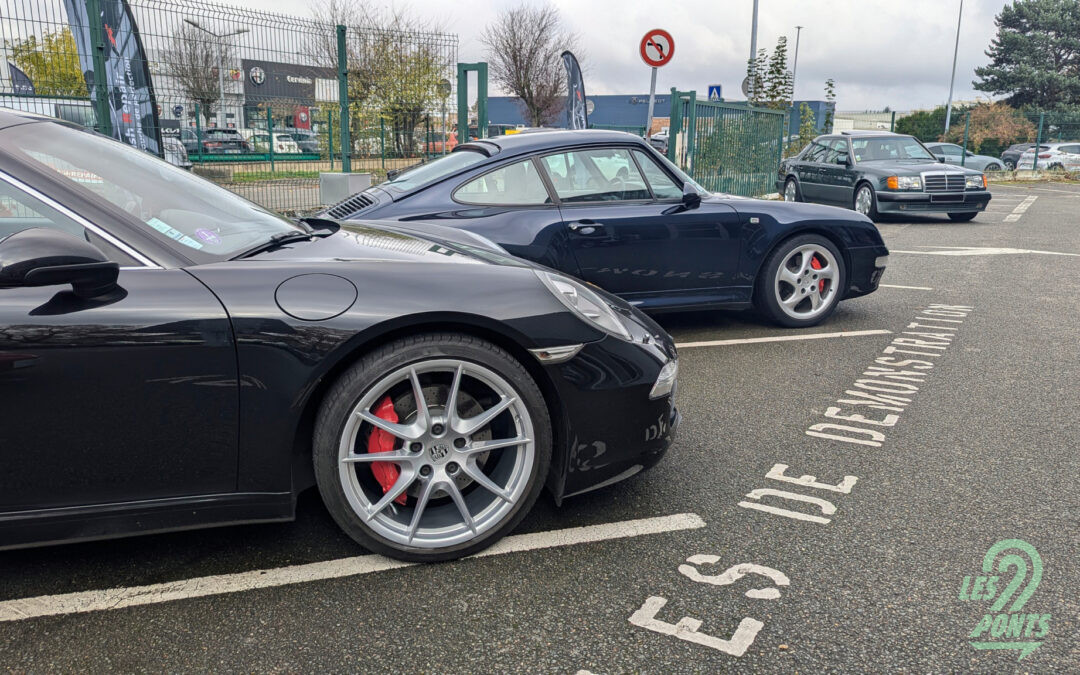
(274, 241)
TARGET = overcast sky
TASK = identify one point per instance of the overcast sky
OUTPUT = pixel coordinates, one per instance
(880, 52)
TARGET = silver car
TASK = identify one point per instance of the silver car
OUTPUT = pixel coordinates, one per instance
(1053, 156)
(951, 153)
(175, 153)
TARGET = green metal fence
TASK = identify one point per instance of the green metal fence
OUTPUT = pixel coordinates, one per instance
(255, 99)
(726, 147)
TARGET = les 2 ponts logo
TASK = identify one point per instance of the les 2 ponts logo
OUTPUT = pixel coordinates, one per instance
(1006, 625)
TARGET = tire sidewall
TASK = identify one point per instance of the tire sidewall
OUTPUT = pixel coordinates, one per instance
(766, 301)
(358, 379)
(798, 190)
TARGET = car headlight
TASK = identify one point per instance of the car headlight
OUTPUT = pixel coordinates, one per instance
(904, 183)
(588, 305)
(978, 181)
(665, 381)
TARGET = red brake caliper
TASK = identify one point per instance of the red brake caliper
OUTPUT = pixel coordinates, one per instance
(817, 265)
(383, 441)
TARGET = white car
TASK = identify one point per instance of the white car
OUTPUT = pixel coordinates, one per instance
(1059, 156)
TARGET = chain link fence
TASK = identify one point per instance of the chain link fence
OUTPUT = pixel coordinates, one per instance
(250, 99)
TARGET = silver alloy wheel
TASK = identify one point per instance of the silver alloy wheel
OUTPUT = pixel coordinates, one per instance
(790, 191)
(457, 484)
(803, 291)
(864, 200)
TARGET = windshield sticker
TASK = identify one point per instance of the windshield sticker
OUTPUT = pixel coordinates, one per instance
(173, 233)
(209, 236)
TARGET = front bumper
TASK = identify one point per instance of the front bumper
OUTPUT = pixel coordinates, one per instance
(936, 202)
(611, 429)
(864, 271)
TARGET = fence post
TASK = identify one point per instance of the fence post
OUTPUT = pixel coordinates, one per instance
(101, 91)
(382, 141)
(674, 125)
(784, 131)
(1038, 141)
(330, 136)
(892, 123)
(481, 100)
(198, 133)
(967, 123)
(270, 131)
(691, 133)
(343, 99)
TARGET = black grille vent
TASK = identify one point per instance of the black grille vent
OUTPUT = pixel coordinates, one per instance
(943, 182)
(354, 204)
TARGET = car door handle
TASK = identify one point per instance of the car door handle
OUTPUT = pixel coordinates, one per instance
(585, 226)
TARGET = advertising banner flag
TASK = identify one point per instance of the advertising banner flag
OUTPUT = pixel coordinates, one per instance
(132, 108)
(20, 81)
(577, 116)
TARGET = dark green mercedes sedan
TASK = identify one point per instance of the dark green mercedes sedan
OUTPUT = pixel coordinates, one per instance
(877, 172)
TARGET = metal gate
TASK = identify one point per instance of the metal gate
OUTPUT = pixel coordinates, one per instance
(726, 147)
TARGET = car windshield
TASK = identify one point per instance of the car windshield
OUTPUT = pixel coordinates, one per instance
(425, 174)
(201, 220)
(880, 149)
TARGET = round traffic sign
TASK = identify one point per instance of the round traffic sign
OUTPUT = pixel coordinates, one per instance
(657, 47)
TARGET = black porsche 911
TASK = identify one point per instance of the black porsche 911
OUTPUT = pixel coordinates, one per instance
(173, 356)
(607, 208)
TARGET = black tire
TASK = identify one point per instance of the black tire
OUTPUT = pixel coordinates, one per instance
(798, 191)
(872, 214)
(1056, 167)
(1010, 165)
(350, 387)
(765, 300)
(963, 217)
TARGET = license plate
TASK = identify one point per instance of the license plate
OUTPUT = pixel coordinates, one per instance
(946, 199)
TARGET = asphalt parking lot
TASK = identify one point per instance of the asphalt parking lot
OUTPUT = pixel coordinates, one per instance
(862, 569)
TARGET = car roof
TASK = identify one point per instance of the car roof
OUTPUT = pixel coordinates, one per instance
(553, 138)
(10, 117)
(866, 132)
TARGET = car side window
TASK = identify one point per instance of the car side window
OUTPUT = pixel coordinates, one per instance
(663, 186)
(816, 153)
(516, 184)
(1071, 149)
(602, 174)
(839, 148)
(20, 211)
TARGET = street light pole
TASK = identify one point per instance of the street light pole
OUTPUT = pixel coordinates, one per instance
(220, 38)
(952, 78)
(753, 45)
(795, 66)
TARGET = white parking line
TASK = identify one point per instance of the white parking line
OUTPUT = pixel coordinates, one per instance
(1020, 208)
(781, 338)
(910, 288)
(117, 598)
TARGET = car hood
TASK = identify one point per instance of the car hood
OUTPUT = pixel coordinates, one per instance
(914, 166)
(390, 242)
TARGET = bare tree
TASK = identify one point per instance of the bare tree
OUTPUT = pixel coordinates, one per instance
(193, 59)
(395, 63)
(523, 52)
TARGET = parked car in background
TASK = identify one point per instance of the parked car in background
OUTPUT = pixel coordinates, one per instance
(175, 153)
(213, 141)
(877, 172)
(283, 143)
(605, 207)
(1053, 157)
(1011, 157)
(951, 153)
(659, 140)
(430, 386)
(189, 140)
(437, 143)
(306, 139)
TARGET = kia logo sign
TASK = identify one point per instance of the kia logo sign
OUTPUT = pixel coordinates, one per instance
(257, 75)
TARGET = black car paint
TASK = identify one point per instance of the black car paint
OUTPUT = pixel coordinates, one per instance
(186, 397)
(656, 254)
(835, 183)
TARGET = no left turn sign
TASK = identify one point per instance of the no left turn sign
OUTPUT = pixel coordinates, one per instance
(657, 47)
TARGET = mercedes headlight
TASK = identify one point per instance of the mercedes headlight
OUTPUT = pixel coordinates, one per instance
(904, 183)
(977, 182)
(587, 304)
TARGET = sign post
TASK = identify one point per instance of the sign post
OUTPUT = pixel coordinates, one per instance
(656, 50)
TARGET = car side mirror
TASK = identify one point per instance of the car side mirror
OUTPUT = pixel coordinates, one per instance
(691, 198)
(940, 158)
(843, 160)
(44, 257)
